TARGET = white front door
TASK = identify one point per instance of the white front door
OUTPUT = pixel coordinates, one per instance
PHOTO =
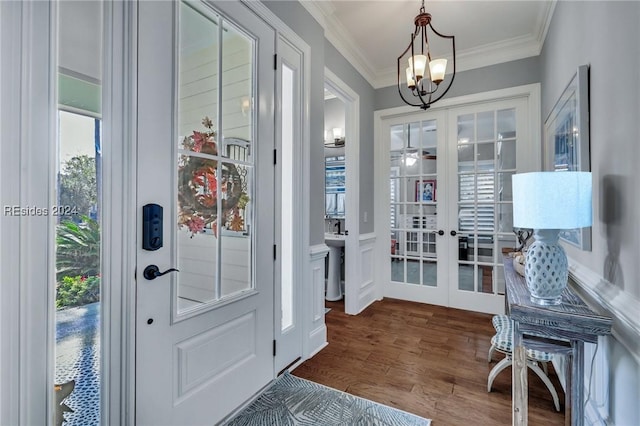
(205, 155)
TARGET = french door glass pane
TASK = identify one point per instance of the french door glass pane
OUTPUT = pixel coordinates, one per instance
(215, 168)
(413, 202)
(486, 162)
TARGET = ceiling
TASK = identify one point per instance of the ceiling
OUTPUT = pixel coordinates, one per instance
(371, 34)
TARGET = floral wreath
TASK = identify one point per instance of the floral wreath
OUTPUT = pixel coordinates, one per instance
(198, 182)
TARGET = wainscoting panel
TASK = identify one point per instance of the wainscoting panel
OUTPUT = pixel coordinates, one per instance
(366, 289)
(616, 360)
(315, 334)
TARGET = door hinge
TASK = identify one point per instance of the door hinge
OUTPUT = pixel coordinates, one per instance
(275, 61)
(275, 156)
(274, 252)
(274, 347)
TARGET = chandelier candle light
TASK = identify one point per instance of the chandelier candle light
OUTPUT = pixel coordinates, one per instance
(549, 202)
(424, 81)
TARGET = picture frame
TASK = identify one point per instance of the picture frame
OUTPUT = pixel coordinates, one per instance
(566, 141)
(426, 191)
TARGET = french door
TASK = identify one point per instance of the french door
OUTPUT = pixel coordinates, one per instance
(488, 145)
(417, 194)
(450, 209)
(205, 204)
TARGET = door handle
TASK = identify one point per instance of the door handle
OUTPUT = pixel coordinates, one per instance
(454, 233)
(152, 272)
(440, 232)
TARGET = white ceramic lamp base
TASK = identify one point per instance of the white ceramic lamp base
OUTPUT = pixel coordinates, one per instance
(546, 268)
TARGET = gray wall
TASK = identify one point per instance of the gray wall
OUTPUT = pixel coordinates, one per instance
(605, 35)
(348, 74)
(494, 77)
(299, 20)
(324, 54)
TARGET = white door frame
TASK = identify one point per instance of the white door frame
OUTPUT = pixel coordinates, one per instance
(28, 122)
(381, 164)
(353, 272)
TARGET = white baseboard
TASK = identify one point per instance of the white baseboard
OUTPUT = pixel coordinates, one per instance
(317, 340)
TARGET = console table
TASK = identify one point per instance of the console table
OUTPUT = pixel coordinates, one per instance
(561, 329)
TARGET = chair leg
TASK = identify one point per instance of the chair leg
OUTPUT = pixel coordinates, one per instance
(547, 382)
(491, 351)
(496, 370)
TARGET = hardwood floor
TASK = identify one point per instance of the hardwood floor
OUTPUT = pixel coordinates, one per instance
(424, 359)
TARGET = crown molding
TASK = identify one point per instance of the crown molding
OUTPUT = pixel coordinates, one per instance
(339, 37)
(544, 21)
(490, 54)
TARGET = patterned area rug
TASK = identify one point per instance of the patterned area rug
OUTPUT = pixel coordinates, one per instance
(295, 401)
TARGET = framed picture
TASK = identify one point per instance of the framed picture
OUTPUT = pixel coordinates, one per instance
(566, 136)
(426, 190)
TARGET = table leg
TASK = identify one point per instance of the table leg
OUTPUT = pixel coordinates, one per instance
(519, 380)
(577, 383)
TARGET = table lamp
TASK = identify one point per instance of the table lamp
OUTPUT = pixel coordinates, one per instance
(549, 202)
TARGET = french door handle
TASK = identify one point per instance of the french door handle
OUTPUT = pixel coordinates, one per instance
(440, 232)
(453, 233)
(152, 272)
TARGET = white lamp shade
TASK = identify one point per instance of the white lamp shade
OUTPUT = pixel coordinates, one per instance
(411, 83)
(420, 64)
(552, 200)
(337, 132)
(437, 67)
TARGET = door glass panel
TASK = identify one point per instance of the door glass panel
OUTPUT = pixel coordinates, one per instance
(429, 273)
(486, 126)
(486, 156)
(504, 190)
(466, 277)
(485, 169)
(466, 128)
(414, 202)
(506, 154)
(413, 271)
(466, 154)
(286, 231)
(76, 209)
(397, 137)
(215, 190)
(507, 123)
(397, 269)
(77, 374)
(505, 218)
(485, 278)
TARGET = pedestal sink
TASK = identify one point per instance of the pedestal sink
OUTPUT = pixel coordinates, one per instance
(335, 243)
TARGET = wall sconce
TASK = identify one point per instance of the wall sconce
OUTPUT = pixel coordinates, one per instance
(338, 138)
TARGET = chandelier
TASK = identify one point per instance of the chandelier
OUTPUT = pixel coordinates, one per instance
(422, 81)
